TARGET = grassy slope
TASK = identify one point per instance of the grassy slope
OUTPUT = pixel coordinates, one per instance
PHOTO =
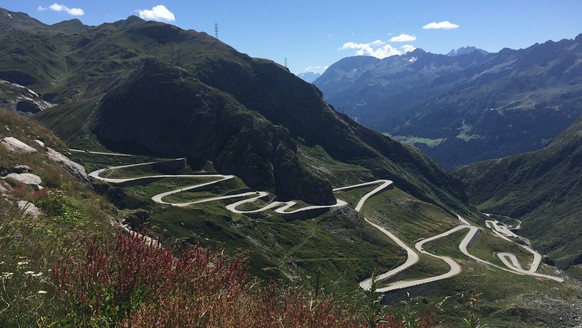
(72, 214)
(542, 188)
(346, 250)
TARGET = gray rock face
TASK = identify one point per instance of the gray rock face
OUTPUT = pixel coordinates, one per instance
(14, 145)
(25, 178)
(19, 98)
(75, 169)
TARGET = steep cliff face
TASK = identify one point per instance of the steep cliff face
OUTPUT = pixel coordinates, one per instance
(163, 110)
(287, 100)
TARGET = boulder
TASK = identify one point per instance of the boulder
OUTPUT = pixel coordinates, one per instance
(3, 189)
(25, 178)
(136, 220)
(75, 169)
(28, 208)
(14, 145)
(40, 143)
(21, 169)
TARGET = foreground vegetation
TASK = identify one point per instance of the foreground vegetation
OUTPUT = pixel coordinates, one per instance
(70, 266)
(131, 282)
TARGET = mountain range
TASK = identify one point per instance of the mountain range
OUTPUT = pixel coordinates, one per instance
(466, 106)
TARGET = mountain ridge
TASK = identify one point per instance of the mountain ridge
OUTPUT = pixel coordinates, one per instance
(460, 109)
(85, 95)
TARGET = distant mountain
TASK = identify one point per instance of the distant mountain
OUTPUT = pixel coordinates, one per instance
(464, 108)
(152, 88)
(466, 51)
(309, 76)
(541, 188)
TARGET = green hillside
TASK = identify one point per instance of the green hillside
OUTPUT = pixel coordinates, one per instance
(542, 188)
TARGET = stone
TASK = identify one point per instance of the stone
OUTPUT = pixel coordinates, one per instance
(25, 178)
(21, 169)
(75, 169)
(28, 208)
(38, 142)
(14, 145)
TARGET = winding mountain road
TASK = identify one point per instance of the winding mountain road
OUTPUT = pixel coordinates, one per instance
(508, 259)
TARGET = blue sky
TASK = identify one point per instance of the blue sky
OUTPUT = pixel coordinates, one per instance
(316, 33)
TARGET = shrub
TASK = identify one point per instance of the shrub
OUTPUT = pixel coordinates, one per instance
(114, 279)
(134, 282)
(60, 207)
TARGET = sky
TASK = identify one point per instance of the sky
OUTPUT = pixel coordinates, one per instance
(310, 35)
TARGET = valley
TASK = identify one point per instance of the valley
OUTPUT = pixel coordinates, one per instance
(318, 193)
(511, 262)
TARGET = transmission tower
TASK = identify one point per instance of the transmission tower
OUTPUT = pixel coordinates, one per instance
(286, 62)
(216, 30)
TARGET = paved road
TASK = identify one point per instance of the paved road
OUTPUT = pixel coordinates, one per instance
(510, 260)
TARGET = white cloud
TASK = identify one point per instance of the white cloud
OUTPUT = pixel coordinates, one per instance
(59, 7)
(403, 38)
(408, 48)
(444, 25)
(158, 13)
(378, 49)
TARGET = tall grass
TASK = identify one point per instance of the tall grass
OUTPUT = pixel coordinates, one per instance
(128, 281)
(134, 283)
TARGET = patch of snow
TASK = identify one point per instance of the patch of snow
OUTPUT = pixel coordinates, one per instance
(412, 59)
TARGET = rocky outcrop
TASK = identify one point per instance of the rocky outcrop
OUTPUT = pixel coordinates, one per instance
(25, 178)
(164, 111)
(14, 145)
(19, 98)
(75, 169)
